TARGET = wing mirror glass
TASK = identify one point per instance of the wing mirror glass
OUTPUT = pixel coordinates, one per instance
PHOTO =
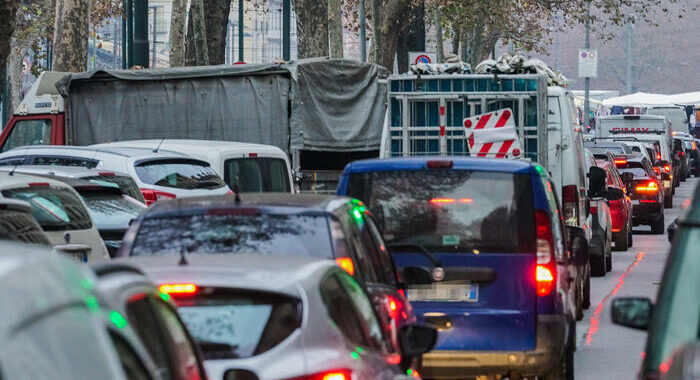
(632, 312)
(240, 374)
(416, 339)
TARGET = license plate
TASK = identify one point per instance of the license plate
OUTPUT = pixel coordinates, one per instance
(444, 292)
(80, 257)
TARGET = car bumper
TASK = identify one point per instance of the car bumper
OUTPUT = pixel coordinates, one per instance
(645, 212)
(552, 331)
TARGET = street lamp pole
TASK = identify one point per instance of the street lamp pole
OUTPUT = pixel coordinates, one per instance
(240, 31)
(286, 29)
(586, 103)
(363, 32)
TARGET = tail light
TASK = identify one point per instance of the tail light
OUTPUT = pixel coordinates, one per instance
(570, 204)
(594, 210)
(347, 265)
(39, 184)
(340, 374)
(667, 168)
(620, 162)
(153, 196)
(178, 289)
(649, 187)
(545, 269)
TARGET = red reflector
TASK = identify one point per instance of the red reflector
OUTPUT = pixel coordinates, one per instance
(153, 196)
(439, 164)
(106, 174)
(178, 288)
(440, 201)
(347, 265)
(544, 280)
(39, 184)
(252, 154)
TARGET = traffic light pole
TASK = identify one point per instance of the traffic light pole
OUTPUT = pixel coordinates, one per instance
(140, 42)
(128, 4)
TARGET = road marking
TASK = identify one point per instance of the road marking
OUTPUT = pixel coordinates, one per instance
(595, 318)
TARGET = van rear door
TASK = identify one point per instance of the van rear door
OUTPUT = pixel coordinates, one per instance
(479, 226)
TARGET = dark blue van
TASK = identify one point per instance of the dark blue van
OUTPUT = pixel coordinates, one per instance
(482, 249)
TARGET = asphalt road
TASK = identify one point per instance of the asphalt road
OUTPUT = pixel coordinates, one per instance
(607, 351)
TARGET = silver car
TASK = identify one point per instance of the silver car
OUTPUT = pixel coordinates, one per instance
(274, 318)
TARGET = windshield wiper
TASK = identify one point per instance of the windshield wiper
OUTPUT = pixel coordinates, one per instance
(438, 271)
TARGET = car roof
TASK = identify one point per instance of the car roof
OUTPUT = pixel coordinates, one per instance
(632, 117)
(636, 157)
(90, 152)
(292, 202)
(8, 180)
(82, 184)
(458, 163)
(280, 274)
(200, 146)
(62, 171)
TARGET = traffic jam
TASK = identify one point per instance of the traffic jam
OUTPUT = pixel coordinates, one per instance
(438, 224)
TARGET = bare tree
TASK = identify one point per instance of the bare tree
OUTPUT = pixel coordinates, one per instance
(199, 33)
(71, 34)
(312, 28)
(177, 33)
(216, 13)
(8, 9)
(335, 28)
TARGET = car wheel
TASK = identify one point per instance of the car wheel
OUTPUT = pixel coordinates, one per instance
(668, 201)
(598, 265)
(564, 370)
(608, 258)
(579, 301)
(630, 240)
(622, 241)
(587, 292)
(657, 227)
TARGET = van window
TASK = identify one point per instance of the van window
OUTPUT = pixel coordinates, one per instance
(29, 132)
(257, 175)
(55, 209)
(554, 117)
(450, 210)
(179, 174)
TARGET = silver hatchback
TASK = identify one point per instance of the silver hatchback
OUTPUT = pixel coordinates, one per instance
(262, 317)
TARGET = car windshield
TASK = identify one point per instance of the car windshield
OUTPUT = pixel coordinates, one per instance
(257, 175)
(55, 209)
(111, 210)
(241, 231)
(179, 174)
(450, 210)
(239, 325)
(126, 184)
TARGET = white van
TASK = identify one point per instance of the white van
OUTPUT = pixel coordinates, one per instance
(252, 168)
(676, 115)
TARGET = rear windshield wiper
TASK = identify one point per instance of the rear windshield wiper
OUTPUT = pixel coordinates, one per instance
(438, 272)
(218, 350)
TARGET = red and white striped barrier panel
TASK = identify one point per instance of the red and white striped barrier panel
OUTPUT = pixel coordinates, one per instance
(493, 134)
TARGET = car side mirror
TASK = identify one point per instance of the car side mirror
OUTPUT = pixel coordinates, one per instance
(627, 177)
(632, 312)
(416, 339)
(614, 193)
(596, 179)
(240, 374)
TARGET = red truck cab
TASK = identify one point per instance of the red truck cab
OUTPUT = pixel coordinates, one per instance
(39, 118)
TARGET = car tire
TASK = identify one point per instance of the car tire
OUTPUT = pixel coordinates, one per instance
(579, 302)
(587, 292)
(622, 241)
(564, 370)
(598, 265)
(657, 226)
(630, 240)
(608, 258)
(668, 201)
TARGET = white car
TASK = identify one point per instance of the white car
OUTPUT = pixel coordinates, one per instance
(159, 174)
(252, 168)
(60, 212)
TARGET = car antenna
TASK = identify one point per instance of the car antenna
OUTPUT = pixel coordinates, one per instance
(12, 172)
(183, 259)
(159, 144)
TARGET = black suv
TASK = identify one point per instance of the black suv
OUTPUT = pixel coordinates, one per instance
(645, 189)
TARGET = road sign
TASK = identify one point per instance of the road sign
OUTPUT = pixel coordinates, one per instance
(587, 63)
(416, 57)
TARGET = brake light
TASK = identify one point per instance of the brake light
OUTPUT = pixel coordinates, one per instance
(620, 162)
(570, 204)
(39, 184)
(594, 209)
(657, 170)
(252, 154)
(440, 201)
(544, 271)
(181, 289)
(667, 168)
(392, 306)
(347, 265)
(650, 187)
(439, 164)
(152, 196)
(107, 174)
(339, 374)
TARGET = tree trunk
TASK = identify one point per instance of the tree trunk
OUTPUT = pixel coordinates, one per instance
(376, 16)
(14, 76)
(412, 36)
(456, 37)
(201, 51)
(335, 28)
(216, 14)
(8, 10)
(190, 55)
(71, 33)
(177, 33)
(437, 20)
(389, 27)
(312, 28)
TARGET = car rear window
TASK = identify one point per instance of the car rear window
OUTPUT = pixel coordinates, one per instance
(20, 226)
(257, 175)
(612, 149)
(450, 210)
(236, 231)
(111, 210)
(237, 324)
(635, 168)
(126, 184)
(179, 174)
(65, 161)
(55, 209)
